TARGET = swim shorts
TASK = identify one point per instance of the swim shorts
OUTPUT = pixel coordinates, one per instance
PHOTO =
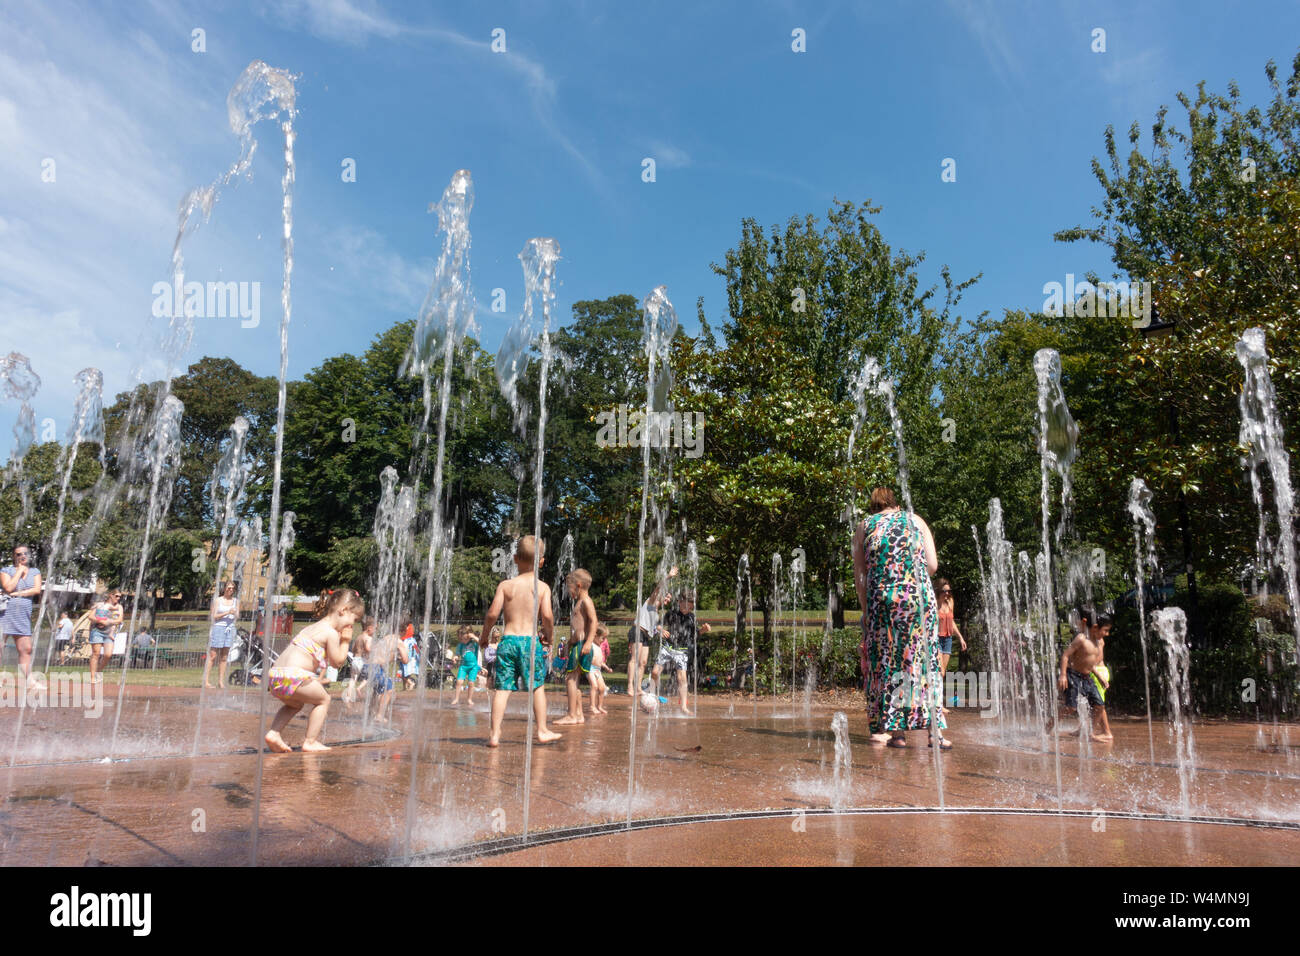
(578, 662)
(467, 671)
(1101, 673)
(284, 682)
(1082, 684)
(513, 662)
(670, 656)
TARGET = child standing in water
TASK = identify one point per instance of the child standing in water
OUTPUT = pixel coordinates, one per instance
(360, 652)
(295, 679)
(411, 667)
(384, 655)
(1079, 662)
(521, 655)
(599, 655)
(467, 671)
(582, 636)
(490, 656)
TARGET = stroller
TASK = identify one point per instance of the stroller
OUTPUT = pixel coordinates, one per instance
(248, 658)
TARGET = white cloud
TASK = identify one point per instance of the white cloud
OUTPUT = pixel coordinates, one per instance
(346, 21)
(362, 257)
(338, 20)
(668, 156)
(982, 18)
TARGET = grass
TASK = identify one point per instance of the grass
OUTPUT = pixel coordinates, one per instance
(171, 677)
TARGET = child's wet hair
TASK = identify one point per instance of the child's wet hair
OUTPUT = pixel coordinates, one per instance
(339, 599)
(580, 577)
(602, 630)
(530, 550)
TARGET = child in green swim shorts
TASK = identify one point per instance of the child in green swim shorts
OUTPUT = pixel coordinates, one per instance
(582, 634)
(467, 652)
(521, 656)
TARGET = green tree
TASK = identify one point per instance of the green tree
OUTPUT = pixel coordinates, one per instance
(1213, 230)
(774, 475)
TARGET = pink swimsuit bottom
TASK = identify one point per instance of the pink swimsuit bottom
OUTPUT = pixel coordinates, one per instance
(284, 682)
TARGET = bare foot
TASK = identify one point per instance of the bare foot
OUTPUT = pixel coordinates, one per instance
(1103, 738)
(568, 719)
(221, 686)
(313, 746)
(546, 736)
(493, 742)
(276, 743)
(208, 687)
(881, 738)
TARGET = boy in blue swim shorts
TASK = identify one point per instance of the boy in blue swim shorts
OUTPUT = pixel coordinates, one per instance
(525, 601)
(582, 634)
(467, 672)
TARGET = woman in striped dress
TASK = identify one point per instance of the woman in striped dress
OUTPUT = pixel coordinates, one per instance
(893, 558)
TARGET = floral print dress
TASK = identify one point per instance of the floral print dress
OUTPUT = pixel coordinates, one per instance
(903, 683)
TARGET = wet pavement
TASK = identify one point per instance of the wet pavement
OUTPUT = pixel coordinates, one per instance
(182, 788)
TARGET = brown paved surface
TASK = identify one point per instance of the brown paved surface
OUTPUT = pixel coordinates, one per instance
(919, 840)
(163, 806)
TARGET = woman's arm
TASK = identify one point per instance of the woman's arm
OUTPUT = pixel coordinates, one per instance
(10, 583)
(860, 569)
(931, 556)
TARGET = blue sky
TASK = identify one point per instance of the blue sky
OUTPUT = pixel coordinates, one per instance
(554, 131)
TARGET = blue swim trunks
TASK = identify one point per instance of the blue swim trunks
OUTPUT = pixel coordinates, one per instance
(513, 662)
(577, 661)
(468, 670)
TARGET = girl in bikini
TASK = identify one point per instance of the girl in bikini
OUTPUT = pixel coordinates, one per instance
(295, 679)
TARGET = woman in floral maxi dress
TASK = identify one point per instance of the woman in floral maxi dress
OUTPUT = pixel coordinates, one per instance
(892, 553)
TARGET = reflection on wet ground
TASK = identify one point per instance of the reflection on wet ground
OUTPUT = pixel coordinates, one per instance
(156, 802)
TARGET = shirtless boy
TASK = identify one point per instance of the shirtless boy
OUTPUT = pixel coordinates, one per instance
(1077, 663)
(582, 635)
(521, 655)
(384, 654)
